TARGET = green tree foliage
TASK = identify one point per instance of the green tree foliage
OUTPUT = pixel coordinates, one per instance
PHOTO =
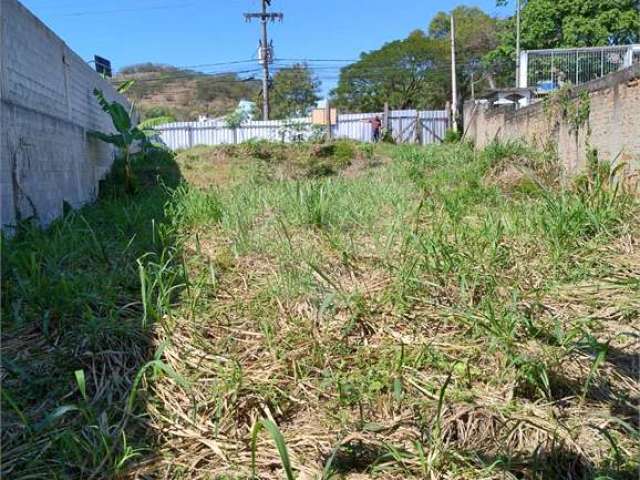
(228, 85)
(156, 111)
(476, 35)
(475, 32)
(409, 73)
(294, 93)
(416, 72)
(567, 23)
(579, 23)
(147, 67)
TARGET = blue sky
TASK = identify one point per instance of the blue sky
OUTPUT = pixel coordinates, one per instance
(204, 32)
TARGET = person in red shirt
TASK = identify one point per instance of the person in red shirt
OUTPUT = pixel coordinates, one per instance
(376, 128)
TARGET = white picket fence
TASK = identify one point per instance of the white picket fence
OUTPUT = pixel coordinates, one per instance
(407, 126)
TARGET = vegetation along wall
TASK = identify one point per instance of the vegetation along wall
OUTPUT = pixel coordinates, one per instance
(603, 115)
(46, 109)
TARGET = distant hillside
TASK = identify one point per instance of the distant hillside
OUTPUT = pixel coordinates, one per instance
(185, 94)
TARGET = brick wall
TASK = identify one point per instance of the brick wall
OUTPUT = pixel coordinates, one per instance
(613, 126)
(46, 108)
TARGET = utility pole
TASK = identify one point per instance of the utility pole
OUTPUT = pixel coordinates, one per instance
(265, 50)
(473, 86)
(517, 43)
(454, 86)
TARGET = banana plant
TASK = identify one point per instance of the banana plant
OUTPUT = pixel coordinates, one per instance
(125, 138)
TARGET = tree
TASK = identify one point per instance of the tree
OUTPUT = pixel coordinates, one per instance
(294, 93)
(475, 32)
(579, 23)
(476, 35)
(568, 23)
(409, 73)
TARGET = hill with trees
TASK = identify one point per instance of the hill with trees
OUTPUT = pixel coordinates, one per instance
(165, 90)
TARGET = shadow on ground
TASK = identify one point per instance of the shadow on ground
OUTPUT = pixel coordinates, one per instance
(75, 331)
(556, 462)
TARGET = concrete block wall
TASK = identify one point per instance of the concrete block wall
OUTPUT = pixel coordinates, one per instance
(613, 126)
(46, 108)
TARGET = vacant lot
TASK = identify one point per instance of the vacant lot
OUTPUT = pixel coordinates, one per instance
(330, 312)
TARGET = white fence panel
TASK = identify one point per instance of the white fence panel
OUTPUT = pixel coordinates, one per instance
(403, 124)
(355, 126)
(407, 126)
(212, 135)
(434, 126)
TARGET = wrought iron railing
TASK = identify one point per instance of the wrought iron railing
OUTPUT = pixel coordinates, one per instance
(547, 70)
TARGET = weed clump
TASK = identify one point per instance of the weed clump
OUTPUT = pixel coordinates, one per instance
(516, 168)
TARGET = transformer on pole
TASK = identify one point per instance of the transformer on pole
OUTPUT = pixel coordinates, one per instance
(265, 50)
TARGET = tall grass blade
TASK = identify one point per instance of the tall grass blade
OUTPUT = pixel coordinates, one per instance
(278, 439)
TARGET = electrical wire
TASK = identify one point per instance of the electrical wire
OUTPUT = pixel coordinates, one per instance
(198, 75)
(325, 72)
(201, 65)
(321, 71)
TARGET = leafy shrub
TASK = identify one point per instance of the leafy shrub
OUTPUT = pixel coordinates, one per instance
(324, 150)
(319, 168)
(261, 149)
(452, 136)
(157, 111)
(343, 153)
(387, 137)
(236, 118)
(366, 151)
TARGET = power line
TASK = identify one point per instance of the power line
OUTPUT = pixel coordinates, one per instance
(323, 71)
(325, 74)
(177, 71)
(308, 62)
(187, 67)
(198, 76)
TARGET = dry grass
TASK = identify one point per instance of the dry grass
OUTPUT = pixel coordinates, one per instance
(352, 376)
(400, 318)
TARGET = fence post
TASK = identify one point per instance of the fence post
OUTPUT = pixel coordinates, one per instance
(328, 115)
(190, 136)
(447, 107)
(386, 117)
(524, 69)
(628, 57)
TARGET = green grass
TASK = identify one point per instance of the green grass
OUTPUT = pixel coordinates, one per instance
(408, 313)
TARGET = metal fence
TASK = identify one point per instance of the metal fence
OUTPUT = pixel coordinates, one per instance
(546, 70)
(407, 126)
